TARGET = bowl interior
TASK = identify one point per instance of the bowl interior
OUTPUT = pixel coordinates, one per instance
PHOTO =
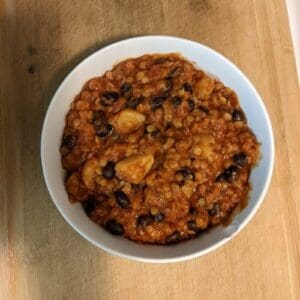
(103, 60)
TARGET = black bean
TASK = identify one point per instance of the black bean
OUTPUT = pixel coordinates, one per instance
(221, 177)
(238, 115)
(240, 159)
(193, 226)
(126, 90)
(187, 173)
(176, 101)
(89, 205)
(134, 102)
(122, 199)
(98, 117)
(103, 129)
(157, 102)
(109, 170)
(108, 98)
(160, 60)
(155, 134)
(188, 87)
(193, 210)
(125, 87)
(191, 104)
(159, 217)
(112, 95)
(69, 141)
(144, 220)
(203, 109)
(173, 238)
(231, 173)
(114, 227)
(214, 210)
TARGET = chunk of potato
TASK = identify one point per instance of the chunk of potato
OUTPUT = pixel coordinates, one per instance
(204, 87)
(127, 121)
(134, 168)
(89, 173)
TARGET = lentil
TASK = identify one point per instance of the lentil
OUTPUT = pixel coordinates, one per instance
(156, 150)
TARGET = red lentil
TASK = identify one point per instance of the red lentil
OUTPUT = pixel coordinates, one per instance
(157, 150)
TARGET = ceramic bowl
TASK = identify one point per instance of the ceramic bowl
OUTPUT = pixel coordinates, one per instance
(103, 60)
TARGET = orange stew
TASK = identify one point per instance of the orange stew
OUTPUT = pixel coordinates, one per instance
(156, 150)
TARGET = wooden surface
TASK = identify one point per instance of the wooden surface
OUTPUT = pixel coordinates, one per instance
(41, 257)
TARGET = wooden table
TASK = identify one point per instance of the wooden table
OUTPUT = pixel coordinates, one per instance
(41, 257)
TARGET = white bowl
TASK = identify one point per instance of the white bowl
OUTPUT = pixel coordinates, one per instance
(103, 60)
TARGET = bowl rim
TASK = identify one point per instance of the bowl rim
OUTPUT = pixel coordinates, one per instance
(183, 257)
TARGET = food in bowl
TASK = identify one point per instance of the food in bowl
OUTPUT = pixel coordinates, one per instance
(157, 151)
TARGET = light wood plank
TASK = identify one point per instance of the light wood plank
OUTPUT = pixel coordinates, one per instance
(41, 257)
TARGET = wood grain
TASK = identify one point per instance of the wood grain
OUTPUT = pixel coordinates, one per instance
(41, 257)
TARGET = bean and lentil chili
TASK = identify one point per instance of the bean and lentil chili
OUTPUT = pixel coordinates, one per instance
(156, 150)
